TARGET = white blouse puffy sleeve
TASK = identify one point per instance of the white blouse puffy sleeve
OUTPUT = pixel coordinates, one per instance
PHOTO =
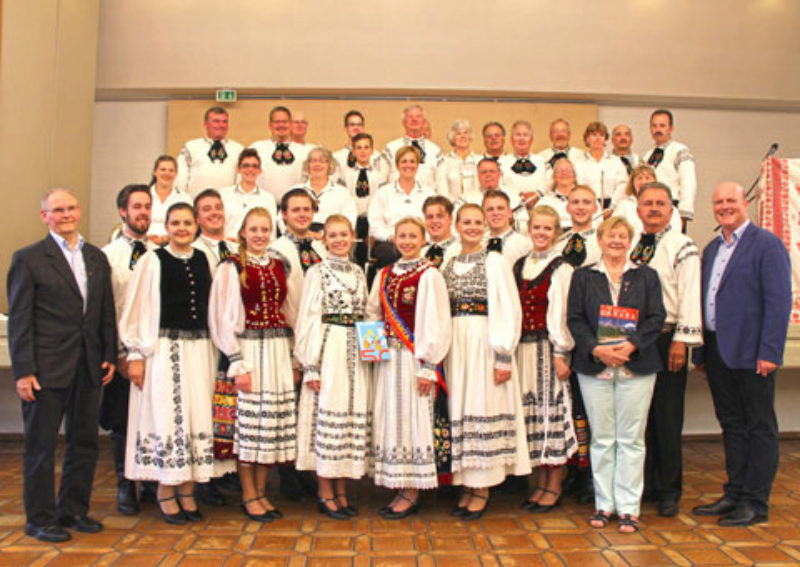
(138, 327)
(505, 311)
(374, 306)
(557, 295)
(432, 329)
(309, 329)
(226, 316)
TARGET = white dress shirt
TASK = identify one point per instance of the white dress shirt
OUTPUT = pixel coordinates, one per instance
(158, 210)
(457, 176)
(332, 200)
(391, 204)
(606, 176)
(237, 203)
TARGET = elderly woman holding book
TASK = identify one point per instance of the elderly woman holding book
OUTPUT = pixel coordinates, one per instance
(615, 314)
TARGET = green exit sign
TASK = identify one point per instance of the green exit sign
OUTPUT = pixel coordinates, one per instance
(226, 95)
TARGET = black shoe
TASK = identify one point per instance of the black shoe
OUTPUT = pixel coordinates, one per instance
(742, 516)
(458, 511)
(336, 513)
(50, 534)
(351, 511)
(668, 508)
(127, 505)
(544, 508)
(393, 514)
(476, 514)
(192, 515)
(176, 519)
(264, 518)
(209, 494)
(719, 507)
(83, 524)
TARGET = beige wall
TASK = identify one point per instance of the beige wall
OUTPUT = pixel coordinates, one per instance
(718, 49)
(46, 107)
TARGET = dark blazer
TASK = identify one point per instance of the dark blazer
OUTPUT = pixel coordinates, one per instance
(754, 300)
(47, 328)
(641, 290)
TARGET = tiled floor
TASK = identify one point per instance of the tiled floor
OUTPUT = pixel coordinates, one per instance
(505, 536)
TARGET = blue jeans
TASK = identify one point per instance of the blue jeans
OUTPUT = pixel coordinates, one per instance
(617, 410)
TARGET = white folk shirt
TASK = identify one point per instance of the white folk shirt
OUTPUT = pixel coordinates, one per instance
(426, 174)
(197, 172)
(627, 208)
(523, 182)
(118, 252)
(158, 211)
(237, 203)
(677, 171)
(593, 252)
(391, 204)
(285, 248)
(607, 177)
(378, 172)
(515, 245)
(457, 176)
(210, 247)
(279, 178)
(632, 158)
(677, 262)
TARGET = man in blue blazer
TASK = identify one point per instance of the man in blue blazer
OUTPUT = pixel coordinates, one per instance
(747, 298)
(63, 343)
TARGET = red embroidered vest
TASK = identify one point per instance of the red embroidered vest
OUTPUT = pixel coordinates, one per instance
(533, 297)
(401, 290)
(264, 295)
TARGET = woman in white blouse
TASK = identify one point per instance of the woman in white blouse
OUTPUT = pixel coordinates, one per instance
(249, 324)
(488, 432)
(543, 358)
(410, 296)
(458, 171)
(165, 194)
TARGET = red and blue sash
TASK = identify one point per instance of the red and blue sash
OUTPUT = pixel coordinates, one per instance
(399, 327)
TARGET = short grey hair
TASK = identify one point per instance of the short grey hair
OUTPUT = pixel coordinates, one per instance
(333, 165)
(53, 191)
(411, 107)
(456, 126)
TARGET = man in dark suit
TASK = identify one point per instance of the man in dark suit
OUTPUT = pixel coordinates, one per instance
(747, 298)
(62, 338)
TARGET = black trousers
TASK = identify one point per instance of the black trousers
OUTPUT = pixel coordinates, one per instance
(744, 402)
(663, 469)
(79, 404)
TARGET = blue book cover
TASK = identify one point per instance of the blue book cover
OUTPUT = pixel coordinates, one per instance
(372, 344)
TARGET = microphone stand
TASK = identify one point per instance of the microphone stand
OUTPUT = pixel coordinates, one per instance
(772, 149)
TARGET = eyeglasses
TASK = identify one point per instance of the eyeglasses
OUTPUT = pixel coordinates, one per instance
(250, 166)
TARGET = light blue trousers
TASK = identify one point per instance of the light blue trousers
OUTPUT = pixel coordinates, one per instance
(617, 409)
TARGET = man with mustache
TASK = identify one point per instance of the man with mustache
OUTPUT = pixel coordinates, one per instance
(673, 163)
(676, 259)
